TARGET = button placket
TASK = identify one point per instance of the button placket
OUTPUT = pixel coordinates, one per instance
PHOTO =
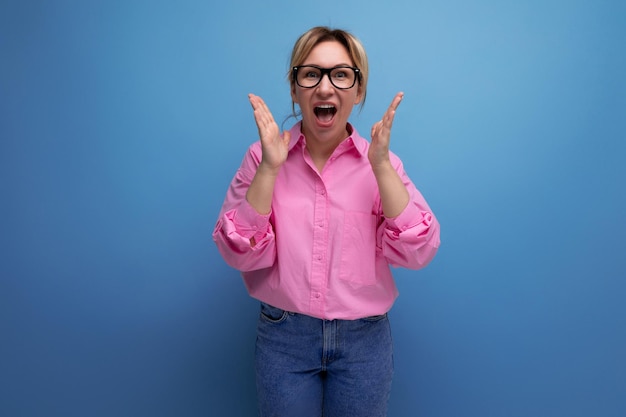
(320, 245)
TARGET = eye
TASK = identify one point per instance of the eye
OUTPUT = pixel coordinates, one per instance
(312, 74)
(340, 74)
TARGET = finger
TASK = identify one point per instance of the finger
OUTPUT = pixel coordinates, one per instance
(396, 101)
(391, 111)
(262, 114)
(258, 104)
(394, 104)
(254, 100)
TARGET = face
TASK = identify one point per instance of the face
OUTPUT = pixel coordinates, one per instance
(325, 108)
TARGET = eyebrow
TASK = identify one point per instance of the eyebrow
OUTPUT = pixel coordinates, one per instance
(334, 66)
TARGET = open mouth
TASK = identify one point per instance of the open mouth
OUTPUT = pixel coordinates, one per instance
(325, 112)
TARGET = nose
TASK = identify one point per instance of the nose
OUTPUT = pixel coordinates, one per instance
(325, 84)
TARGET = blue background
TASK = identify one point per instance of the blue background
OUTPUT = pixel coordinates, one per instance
(122, 123)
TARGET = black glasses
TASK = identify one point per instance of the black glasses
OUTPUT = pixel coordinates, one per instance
(342, 77)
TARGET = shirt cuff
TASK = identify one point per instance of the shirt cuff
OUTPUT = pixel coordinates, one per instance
(406, 219)
(412, 225)
(249, 223)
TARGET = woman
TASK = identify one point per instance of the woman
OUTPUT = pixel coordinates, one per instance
(314, 218)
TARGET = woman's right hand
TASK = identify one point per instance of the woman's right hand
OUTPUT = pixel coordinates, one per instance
(274, 145)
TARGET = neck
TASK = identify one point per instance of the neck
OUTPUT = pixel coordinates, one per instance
(321, 147)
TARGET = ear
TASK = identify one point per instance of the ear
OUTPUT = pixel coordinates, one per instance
(293, 93)
(359, 95)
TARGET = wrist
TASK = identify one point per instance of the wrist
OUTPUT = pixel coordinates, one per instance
(267, 170)
(382, 168)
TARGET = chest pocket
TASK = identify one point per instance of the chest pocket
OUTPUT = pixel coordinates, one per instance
(358, 248)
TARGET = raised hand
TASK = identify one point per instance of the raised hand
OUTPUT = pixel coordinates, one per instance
(393, 193)
(274, 145)
(275, 148)
(381, 132)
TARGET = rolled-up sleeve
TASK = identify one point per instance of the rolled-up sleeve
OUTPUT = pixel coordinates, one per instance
(239, 225)
(412, 238)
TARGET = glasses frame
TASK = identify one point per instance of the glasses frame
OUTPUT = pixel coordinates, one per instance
(327, 71)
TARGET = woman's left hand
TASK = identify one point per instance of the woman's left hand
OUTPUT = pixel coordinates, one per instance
(381, 132)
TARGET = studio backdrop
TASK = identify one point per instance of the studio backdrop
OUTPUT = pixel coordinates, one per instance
(123, 122)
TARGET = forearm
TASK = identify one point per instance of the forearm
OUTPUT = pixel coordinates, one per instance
(393, 193)
(261, 190)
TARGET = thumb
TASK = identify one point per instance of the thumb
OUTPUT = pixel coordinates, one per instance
(286, 137)
(375, 129)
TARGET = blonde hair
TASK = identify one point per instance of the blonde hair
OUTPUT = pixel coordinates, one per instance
(314, 36)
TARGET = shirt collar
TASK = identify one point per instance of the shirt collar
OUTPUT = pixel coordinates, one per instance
(357, 141)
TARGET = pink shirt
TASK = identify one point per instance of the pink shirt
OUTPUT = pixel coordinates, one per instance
(326, 248)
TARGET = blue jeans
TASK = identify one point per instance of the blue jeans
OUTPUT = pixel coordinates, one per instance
(307, 367)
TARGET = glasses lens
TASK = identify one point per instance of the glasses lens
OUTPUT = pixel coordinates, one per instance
(308, 76)
(342, 77)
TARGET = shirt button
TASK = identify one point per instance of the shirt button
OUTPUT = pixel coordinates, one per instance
(317, 295)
